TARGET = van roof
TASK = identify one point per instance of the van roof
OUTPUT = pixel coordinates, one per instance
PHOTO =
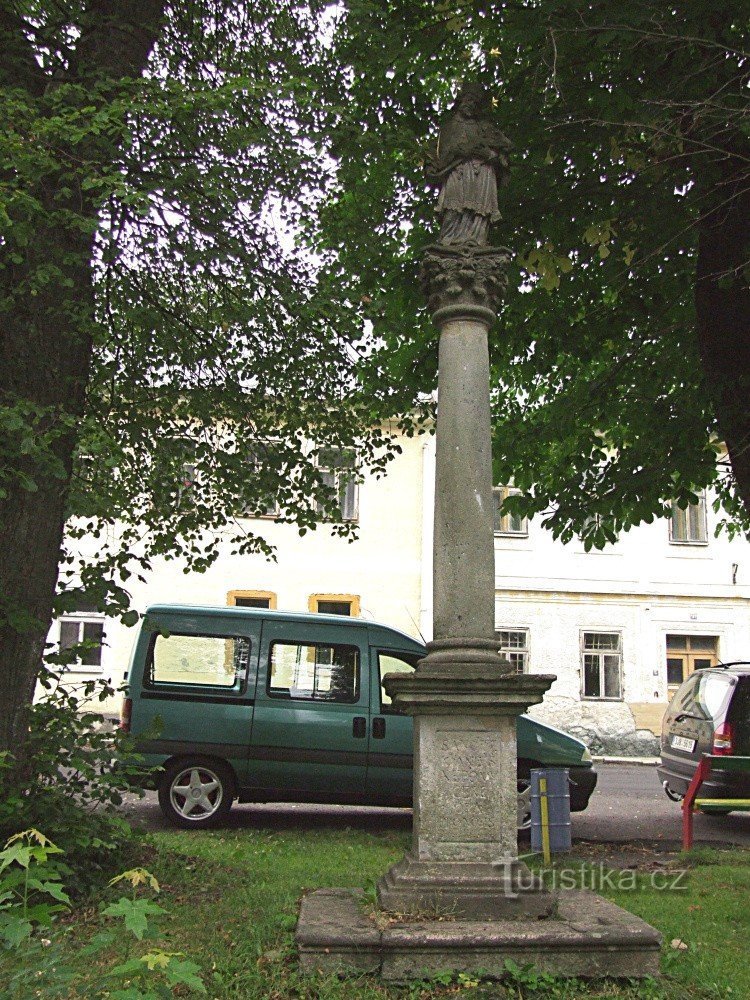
(228, 611)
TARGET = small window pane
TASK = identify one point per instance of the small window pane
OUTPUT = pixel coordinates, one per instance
(696, 522)
(675, 669)
(591, 683)
(611, 676)
(704, 643)
(93, 632)
(200, 659)
(317, 673)
(252, 602)
(335, 607)
(601, 640)
(69, 631)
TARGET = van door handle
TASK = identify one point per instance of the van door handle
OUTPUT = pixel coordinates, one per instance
(359, 727)
(378, 728)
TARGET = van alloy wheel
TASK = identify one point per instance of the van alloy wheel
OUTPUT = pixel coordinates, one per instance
(196, 793)
(523, 803)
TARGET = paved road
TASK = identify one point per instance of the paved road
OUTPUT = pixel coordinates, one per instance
(627, 805)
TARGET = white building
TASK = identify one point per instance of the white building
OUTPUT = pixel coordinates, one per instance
(620, 628)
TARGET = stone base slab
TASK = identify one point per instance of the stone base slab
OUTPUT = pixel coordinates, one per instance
(589, 937)
(464, 891)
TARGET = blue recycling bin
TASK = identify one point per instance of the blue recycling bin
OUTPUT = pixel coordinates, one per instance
(551, 785)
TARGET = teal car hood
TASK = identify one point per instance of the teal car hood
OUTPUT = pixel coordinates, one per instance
(537, 741)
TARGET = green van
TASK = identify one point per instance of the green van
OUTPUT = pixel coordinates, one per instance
(260, 706)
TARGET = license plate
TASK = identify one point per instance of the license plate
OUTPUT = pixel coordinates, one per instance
(683, 743)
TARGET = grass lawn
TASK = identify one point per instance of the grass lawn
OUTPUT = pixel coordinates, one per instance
(232, 899)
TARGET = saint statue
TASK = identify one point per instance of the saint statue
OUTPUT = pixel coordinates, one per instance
(471, 157)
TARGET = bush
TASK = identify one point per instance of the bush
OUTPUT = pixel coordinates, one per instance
(32, 895)
(75, 770)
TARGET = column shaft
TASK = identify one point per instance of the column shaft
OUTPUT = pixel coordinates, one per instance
(464, 563)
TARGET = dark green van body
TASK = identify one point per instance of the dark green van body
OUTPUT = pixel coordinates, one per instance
(293, 704)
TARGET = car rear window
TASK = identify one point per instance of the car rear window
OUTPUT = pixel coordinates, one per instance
(713, 695)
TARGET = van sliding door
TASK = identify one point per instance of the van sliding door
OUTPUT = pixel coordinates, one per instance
(310, 730)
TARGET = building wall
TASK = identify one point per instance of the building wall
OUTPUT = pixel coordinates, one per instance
(382, 567)
(644, 588)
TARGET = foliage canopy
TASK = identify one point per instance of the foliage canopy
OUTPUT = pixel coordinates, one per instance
(620, 356)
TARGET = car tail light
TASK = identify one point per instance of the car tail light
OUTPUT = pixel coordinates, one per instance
(126, 712)
(723, 740)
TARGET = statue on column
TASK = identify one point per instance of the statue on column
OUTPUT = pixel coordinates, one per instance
(471, 158)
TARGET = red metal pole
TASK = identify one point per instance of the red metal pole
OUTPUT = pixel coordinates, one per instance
(701, 773)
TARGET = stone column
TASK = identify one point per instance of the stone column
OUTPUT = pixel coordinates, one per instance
(464, 698)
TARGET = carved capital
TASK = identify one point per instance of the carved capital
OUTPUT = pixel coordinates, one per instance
(460, 279)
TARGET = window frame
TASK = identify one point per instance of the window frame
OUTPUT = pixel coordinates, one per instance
(506, 651)
(584, 651)
(505, 530)
(339, 482)
(82, 618)
(258, 595)
(353, 600)
(279, 695)
(254, 457)
(684, 512)
(225, 690)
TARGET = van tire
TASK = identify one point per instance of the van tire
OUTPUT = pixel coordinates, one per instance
(523, 786)
(207, 784)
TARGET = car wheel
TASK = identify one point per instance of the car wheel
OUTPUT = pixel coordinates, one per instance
(523, 803)
(714, 811)
(196, 793)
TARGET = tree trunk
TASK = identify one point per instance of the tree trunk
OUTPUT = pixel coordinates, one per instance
(45, 362)
(47, 320)
(722, 298)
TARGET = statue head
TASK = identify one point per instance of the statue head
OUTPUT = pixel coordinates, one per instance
(473, 101)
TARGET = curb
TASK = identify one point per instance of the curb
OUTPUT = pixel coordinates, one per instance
(645, 761)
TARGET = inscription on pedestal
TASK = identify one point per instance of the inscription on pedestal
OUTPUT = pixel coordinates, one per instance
(465, 797)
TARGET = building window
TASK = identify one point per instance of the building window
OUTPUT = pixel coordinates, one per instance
(251, 599)
(314, 672)
(514, 647)
(688, 526)
(83, 627)
(334, 604)
(262, 504)
(338, 471)
(686, 653)
(505, 522)
(602, 665)
(183, 452)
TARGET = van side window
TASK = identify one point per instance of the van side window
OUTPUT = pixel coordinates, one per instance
(393, 663)
(314, 672)
(198, 660)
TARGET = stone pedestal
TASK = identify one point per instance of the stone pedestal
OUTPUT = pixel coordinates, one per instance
(588, 937)
(464, 860)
